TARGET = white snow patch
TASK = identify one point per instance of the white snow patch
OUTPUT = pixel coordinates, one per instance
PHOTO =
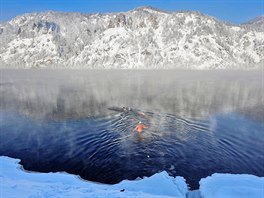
(236, 28)
(190, 18)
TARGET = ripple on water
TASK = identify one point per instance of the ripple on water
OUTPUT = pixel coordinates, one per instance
(105, 149)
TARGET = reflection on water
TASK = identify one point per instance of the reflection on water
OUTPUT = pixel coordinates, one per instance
(59, 94)
(198, 122)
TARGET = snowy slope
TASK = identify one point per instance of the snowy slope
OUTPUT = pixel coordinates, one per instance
(141, 38)
(17, 183)
(256, 24)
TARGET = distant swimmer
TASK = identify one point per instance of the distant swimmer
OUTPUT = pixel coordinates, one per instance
(139, 128)
(126, 109)
(142, 114)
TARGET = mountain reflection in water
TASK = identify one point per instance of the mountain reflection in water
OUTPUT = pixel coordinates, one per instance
(60, 94)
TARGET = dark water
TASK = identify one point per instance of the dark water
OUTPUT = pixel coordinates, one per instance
(198, 123)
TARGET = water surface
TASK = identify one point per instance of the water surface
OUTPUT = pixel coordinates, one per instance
(198, 122)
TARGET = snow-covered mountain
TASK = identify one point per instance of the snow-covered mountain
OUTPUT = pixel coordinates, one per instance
(141, 38)
(256, 24)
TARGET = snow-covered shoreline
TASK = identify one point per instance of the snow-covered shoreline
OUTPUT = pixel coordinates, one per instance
(18, 183)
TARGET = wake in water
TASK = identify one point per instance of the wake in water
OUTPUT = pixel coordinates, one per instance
(158, 125)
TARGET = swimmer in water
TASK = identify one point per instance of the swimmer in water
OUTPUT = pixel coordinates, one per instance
(139, 128)
(125, 109)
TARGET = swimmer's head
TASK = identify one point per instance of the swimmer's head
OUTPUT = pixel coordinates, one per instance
(139, 122)
(124, 109)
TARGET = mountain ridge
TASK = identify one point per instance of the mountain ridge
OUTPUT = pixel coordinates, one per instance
(141, 38)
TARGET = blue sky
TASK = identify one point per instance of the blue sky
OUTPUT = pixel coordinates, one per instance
(234, 11)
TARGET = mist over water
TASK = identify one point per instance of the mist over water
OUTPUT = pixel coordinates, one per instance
(199, 122)
(59, 94)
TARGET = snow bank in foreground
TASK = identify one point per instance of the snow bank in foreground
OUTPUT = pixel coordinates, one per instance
(16, 183)
(232, 186)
